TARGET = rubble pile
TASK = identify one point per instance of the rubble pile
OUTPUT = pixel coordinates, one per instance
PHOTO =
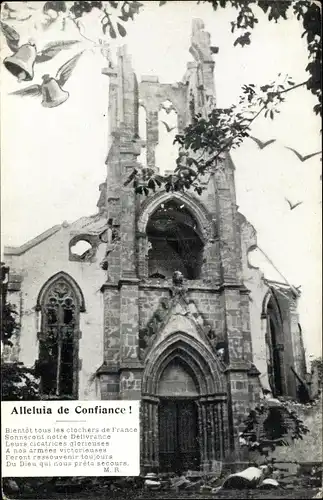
(300, 477)
(190, 482)
(263, 477)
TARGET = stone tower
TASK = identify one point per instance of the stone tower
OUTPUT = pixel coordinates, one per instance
(153, 305)
(176, 312)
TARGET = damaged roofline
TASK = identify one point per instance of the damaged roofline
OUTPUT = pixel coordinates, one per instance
(19, 250)
(8, 250)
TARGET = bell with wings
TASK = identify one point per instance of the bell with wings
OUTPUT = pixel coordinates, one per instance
(21, 62)
(51, 88)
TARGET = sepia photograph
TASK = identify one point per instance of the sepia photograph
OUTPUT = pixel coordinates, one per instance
(161, 186)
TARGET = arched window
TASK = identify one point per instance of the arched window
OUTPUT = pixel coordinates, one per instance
(60, 303)
(175, 242)
(275, 348)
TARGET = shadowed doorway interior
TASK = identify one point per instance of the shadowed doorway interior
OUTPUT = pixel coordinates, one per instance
(178, 435)
(178, 418)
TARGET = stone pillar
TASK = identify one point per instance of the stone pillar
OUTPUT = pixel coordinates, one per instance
(208, 79)
(149, 433)
(152, 137)
(114, 96)
(238, 364)
(297, 340)
(143, 248)
(130, 366)
(234, 303)
(203, 54)
(226, 228)
(211, 266)
(128, 220)
(111, 299)
(213, 430)
(245, 321)
(129, 320)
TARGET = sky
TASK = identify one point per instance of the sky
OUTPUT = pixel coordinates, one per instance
(53, 160)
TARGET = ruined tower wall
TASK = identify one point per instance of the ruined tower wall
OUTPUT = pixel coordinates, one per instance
(131, 297)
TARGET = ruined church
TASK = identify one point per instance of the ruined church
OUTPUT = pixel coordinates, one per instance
(163, 306)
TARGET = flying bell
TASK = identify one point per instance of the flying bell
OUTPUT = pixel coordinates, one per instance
(21, 64)
(53, 94)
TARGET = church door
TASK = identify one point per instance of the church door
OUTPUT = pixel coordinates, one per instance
(178, 435)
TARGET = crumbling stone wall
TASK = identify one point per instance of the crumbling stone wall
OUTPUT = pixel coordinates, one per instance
(219, 296)
(36, 263)
(261, 291)
(213, 323)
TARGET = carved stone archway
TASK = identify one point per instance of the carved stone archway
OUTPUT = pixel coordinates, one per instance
(59, 302)
(274, 338)
(205, 226)
(68, 279)
(211, 400)
(192, 204)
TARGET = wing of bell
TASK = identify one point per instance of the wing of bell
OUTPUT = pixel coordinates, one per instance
(32, 91)
(67, 69)
(53, 48)
(11, 36)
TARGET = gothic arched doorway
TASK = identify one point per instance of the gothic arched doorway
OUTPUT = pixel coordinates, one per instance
(178, 419)
(184, 406)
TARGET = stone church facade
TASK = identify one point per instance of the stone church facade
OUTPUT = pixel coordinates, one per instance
(164, 306)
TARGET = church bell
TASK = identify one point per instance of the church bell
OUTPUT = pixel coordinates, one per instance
(52, 93)
(21, 64)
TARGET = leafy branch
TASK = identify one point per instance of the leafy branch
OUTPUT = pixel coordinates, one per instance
(308, 12)
(213, 136)
(270, 424)
(18, 381)
(221, 130)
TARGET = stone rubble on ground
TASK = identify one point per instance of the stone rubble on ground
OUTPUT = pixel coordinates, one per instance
(180, 482)
(248, 478)
(11, 486)
(152, 481)
(262, 477)
(319, 494)
(269, 483)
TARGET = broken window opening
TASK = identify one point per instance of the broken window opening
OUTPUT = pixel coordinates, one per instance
(176, 244)
(275, 361)
(166, 152)
(58, 346)
(81, 249)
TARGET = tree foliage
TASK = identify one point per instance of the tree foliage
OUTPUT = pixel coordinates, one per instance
(205, 141)
(8, 318)
(306, 11)
(270, 424)
(18, 381)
